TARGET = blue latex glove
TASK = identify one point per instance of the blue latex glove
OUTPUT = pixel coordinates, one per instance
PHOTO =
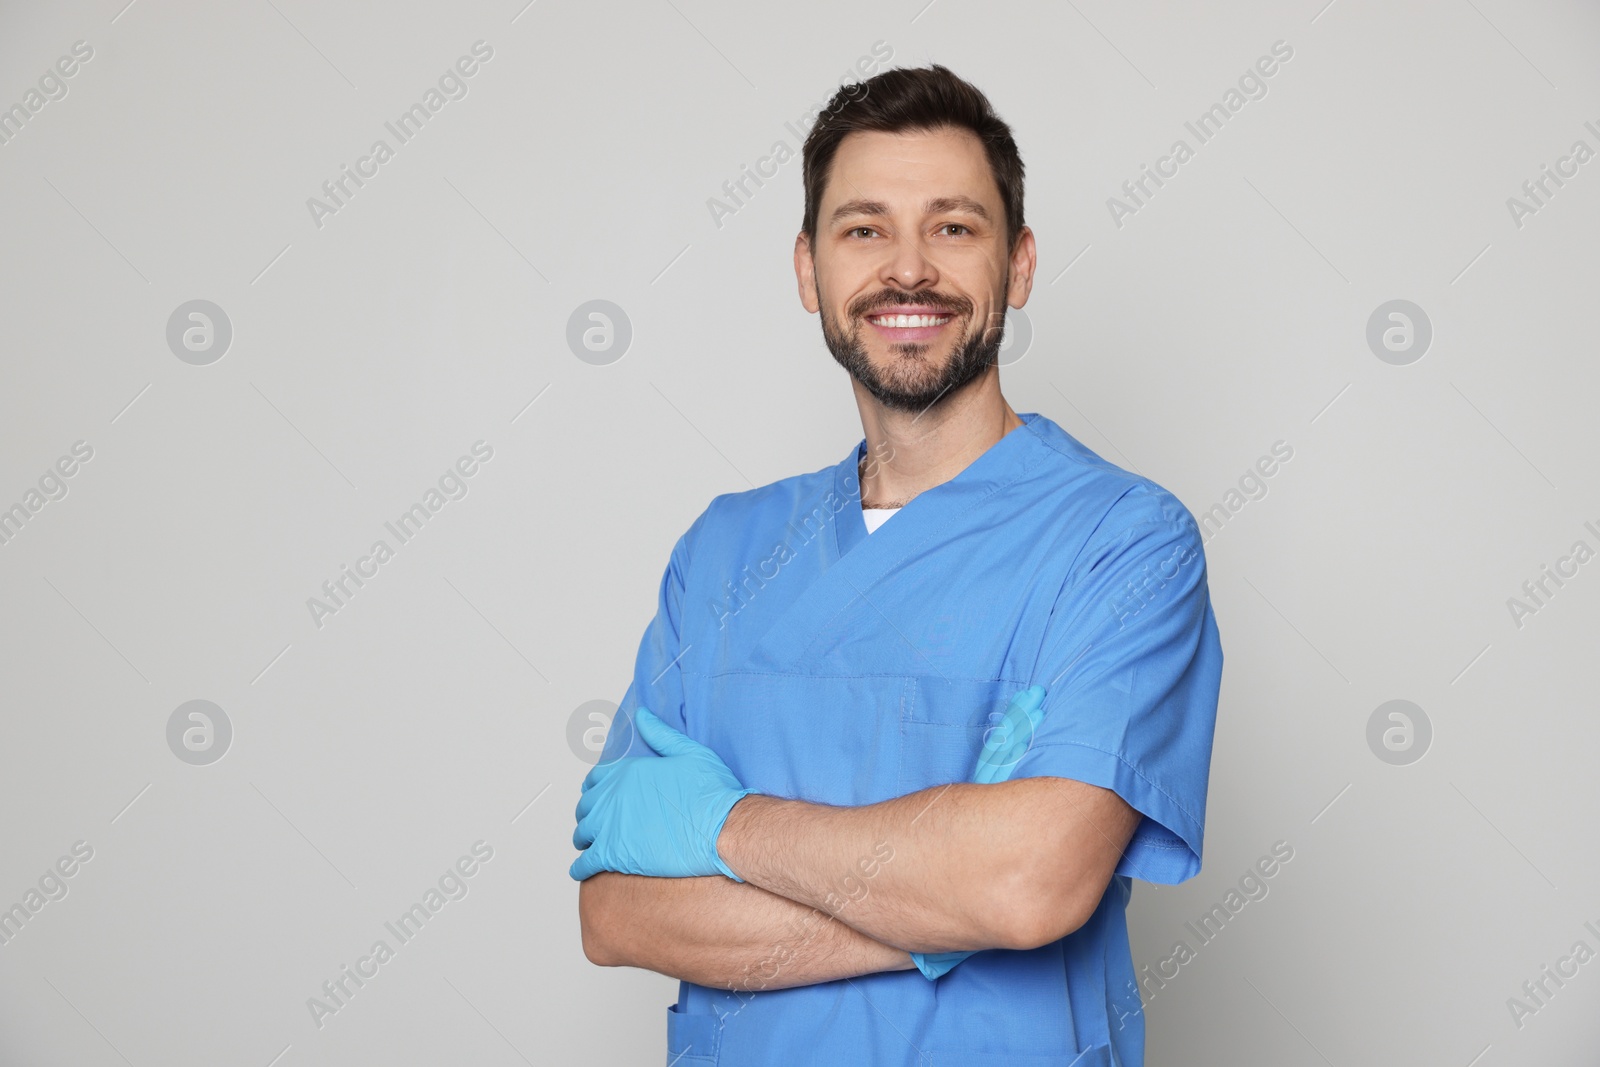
(658, 817)
(1003, 746)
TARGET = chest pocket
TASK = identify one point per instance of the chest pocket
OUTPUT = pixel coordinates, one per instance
(824, 739)
(845, 740)
(944, 725)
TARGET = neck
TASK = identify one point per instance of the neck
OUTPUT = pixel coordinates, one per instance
(909, 452)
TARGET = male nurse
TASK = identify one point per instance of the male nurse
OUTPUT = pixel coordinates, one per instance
(904, 729)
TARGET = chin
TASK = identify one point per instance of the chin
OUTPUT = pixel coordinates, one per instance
(919, 350)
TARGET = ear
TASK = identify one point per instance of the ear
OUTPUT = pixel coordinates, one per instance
(805, 273)
(1024, 261)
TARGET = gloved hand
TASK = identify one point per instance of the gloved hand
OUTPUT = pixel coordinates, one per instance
(1008, 741)
(1003, 746)
(656, 816)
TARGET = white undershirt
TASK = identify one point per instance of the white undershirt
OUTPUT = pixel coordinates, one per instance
(876, 517)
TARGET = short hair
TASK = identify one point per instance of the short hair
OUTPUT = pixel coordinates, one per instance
(912, 99)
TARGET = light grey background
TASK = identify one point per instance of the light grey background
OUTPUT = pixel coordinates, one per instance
(432, 711)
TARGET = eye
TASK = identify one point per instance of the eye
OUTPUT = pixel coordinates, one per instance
(862, 231)
(954, 226)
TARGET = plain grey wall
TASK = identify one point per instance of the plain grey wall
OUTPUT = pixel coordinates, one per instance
(444, 704)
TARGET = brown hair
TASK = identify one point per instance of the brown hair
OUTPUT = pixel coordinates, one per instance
(905, 99)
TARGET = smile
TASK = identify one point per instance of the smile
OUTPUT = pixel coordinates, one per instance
(905, 322)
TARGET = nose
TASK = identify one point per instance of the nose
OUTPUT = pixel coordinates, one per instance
(906, 265)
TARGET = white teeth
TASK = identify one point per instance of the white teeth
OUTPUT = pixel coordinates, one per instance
(908, 321)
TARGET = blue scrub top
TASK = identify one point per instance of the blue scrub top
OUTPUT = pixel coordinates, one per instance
(827, 665)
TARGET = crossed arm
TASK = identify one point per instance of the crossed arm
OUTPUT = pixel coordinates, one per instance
(835, 892)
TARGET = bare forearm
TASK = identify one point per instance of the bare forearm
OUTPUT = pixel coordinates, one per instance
(1009, 865)
(933, 897)
(719, 933)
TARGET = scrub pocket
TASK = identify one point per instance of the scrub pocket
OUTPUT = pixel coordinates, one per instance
(826, 739)
(845, 740)
(943, 724)
(692, 1038)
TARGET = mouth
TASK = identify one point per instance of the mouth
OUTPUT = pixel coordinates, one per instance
(909, 324)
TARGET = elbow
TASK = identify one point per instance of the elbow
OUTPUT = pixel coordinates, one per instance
(592, 925)
(596, 951)
(1036, 927)
(1055, 875)
(1040, 911)
(1048, 920)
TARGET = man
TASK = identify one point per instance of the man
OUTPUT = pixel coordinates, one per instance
(833, 803)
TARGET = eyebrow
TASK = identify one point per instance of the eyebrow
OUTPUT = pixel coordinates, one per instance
(956, 203)
(935, 206)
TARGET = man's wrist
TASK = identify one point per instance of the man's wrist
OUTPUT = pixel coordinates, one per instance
(740, 828)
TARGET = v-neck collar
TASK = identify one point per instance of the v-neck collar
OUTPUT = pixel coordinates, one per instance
(852, 530)
(865, 560)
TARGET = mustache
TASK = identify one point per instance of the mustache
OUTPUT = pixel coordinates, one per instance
(958, 306)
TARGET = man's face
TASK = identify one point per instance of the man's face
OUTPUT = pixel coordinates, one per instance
(909, 269)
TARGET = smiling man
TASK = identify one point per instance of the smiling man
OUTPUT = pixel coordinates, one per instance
(904, 729)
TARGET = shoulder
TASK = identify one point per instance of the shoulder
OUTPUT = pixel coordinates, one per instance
(768, 506)
(1106, 505)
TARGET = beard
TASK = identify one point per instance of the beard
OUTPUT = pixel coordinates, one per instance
(911, 381)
